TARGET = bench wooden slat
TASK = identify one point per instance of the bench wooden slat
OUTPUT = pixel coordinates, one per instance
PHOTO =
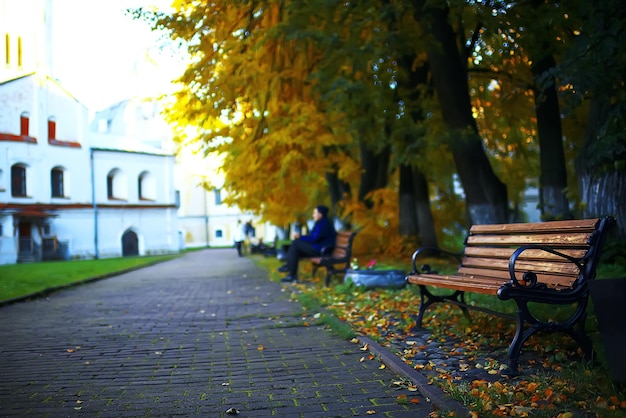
(470, 283)
(505, 253)
(536, 266)
(487, 286)
(339, 257)
(504, 276)
(557, 240)
(588, 225)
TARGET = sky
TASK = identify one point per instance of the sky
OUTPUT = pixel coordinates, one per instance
(100, 52)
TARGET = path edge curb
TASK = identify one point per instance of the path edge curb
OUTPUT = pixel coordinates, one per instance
(438, 397)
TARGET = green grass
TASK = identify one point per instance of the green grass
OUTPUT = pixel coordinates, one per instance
(20, 280)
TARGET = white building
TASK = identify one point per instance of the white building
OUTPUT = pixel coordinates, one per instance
(71, 189)
(64, 192)
(203, 219)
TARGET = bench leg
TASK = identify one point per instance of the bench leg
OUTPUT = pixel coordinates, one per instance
(576, 329)
(574, 326)
(329, 274)
(427, 299)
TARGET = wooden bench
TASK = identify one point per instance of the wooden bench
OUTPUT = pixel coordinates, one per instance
(546, 262)
(338, 261)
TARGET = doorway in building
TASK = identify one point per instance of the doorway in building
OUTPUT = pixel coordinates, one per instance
(130, 244)
(25, 243)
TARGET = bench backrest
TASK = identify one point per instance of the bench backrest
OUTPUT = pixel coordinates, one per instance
(343, 245)
(489, 247)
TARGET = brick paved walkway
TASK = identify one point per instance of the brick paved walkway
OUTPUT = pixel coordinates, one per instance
(195, 336)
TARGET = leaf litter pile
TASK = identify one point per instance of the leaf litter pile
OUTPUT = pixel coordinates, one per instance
(466, 357)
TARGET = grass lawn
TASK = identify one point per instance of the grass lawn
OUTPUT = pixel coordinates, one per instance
(19, 280)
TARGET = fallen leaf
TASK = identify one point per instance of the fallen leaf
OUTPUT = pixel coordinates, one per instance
(365, 347)
(260, 348)
(354, 340)
(232, 411)
(382, 366)
(371, 412)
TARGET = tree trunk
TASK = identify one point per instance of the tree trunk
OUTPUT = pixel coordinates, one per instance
(486, 195)
(426, 224)
(416, 218)
(375, 171)
(337, 189)
(601, 161)
(553, 179)
(602, 191)
(407, 207)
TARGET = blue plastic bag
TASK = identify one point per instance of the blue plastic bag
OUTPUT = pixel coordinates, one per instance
(376, 278)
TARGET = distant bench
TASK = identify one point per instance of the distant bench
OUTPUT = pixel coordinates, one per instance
(337, 261)
(546, 262)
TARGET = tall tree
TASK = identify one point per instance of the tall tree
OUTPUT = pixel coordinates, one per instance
(486, 195)
(248, 95)
(595, 68)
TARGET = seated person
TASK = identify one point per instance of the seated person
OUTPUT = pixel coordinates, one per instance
(322, 236)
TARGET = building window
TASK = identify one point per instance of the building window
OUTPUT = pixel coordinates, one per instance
(117, 187)
(52, 129)
(46, 229)
(110, 186)
(218, 233)
(18, 180)
(1, 180)
(218, 196)
(24, 122)
(7, 49)
(19, 51)
(56, 180)
(146, 185)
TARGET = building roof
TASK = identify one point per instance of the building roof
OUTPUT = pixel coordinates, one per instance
(117, 143)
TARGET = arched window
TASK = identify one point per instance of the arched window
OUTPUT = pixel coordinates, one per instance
(116, 185)
(18, 180)
(57, 182)
(146, 185)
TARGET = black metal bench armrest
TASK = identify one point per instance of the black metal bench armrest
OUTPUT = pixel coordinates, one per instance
(431, 251)
(529, 278)
(327, 251)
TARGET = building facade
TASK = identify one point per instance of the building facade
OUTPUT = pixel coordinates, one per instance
(67, 193)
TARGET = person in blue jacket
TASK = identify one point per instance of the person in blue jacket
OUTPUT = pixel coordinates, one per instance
(322, 237)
